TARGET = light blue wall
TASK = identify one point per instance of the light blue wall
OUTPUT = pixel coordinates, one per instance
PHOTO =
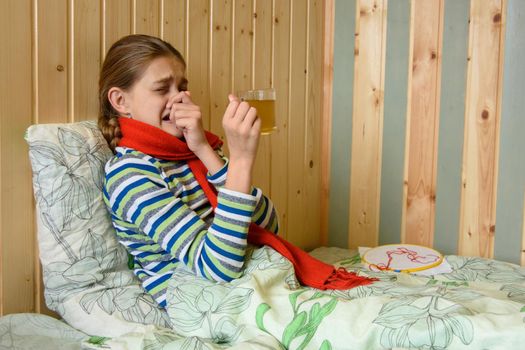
(511, 178)
(394, 120)
(451, 125)
(342, 122)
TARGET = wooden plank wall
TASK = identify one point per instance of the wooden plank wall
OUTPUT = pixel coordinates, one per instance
(456, 73)
(369, 51)
(419, 184)
(482, 120)
(51, 54)
(16, 109)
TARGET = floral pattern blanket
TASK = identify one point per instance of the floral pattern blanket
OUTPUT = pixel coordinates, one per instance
(479, 305)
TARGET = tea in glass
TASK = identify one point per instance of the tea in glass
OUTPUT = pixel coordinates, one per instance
(264, 101)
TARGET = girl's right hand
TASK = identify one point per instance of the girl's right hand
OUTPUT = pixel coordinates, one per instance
(242, 128)
(187, 118)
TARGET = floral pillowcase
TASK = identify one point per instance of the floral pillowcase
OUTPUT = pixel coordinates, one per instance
(86, 277)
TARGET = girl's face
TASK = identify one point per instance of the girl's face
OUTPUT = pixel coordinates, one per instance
(147, 99)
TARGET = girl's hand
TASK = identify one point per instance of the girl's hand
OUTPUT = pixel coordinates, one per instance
(187, 117)
(242, 128)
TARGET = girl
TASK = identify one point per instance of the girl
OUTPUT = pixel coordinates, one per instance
(158, 208)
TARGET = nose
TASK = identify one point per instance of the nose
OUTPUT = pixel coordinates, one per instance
(173, 97)
(173, 92)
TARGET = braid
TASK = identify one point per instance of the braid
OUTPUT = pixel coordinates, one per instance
(117, 134)
(110, 128)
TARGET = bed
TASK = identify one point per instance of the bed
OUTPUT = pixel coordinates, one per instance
(478, 304)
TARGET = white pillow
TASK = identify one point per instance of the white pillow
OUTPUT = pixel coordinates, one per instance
(86, 277)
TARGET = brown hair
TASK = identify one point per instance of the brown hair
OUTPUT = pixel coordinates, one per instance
(125, 62)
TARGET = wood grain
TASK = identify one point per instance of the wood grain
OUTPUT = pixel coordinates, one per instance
(262, 78)
(296, 226)
(85, 53)
(313, 121)
(17, 257)
(221, 59)
(326, 113)
(174, 24)
(367, 121)
(117, 21)
(279, 139)
(55, 49)
(147, 17)
(419, 200)
(482, 119)
(197, 58)
(53, 62)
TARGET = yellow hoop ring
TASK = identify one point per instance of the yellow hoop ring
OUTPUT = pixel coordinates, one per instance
(415, 269)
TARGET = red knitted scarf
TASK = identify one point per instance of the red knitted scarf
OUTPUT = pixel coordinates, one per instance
(159, 144)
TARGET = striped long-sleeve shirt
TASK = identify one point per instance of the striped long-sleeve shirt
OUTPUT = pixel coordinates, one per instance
(163, 218)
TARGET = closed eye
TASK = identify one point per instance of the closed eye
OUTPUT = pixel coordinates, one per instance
(163, 89)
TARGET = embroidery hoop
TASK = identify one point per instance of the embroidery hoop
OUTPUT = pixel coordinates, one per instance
(378, 257)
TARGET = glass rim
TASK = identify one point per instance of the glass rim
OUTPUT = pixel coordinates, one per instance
(257, 94)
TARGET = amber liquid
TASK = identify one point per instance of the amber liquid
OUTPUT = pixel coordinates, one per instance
(266, 112)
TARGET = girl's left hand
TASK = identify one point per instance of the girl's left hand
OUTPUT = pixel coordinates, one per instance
(187, 117)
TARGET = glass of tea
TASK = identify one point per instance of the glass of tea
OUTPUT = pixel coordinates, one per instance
(264, 101)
